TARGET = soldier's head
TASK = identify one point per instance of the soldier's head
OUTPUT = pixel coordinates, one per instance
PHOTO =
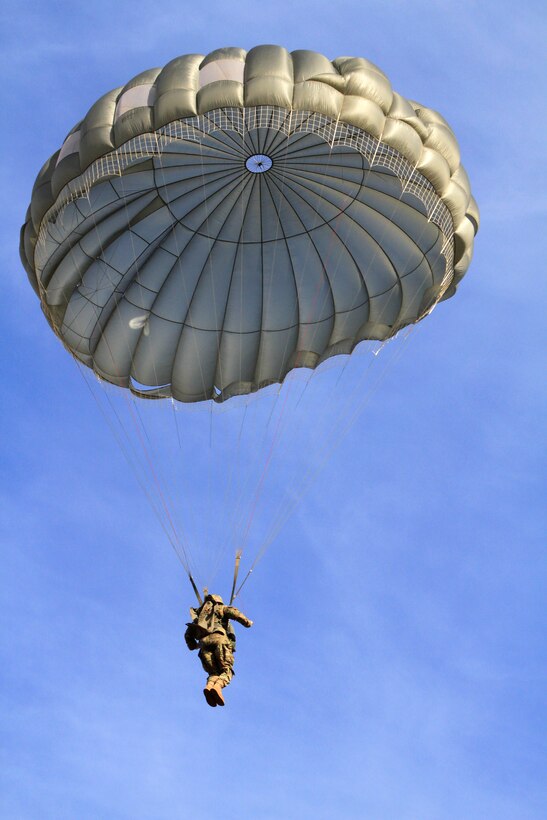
(216, 599)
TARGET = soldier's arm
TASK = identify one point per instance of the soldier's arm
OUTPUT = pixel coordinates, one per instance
(190, 638)
(235, 615)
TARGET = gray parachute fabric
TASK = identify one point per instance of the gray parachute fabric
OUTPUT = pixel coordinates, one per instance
(214, 224)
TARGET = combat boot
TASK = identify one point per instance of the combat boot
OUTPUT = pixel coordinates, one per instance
(217, 694)
(210, 694)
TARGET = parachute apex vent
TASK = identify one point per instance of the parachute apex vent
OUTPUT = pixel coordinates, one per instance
(258, 163)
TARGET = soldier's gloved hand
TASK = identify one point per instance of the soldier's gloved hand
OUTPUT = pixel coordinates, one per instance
(249, 625)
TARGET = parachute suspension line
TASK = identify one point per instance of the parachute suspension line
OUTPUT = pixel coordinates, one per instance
(281, 427)
(152, 460)
(272, 411)
(241, 505)
(243, 480)
(284, 512)
(262, 447)
(265, 469)
(157, 480)
(227, 485)
(242, 424)
(236, 573)
(306, 383)
(233, 470)
(141, 422)
(132, 462)
(374, 353)
(325, 456)
(176, 422)
(247, 479)
(207, 530)
(158, 488)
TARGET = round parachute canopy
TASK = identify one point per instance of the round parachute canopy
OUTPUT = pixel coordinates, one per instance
(213, 224)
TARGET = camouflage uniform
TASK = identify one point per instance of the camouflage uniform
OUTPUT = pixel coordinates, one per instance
(212, 633)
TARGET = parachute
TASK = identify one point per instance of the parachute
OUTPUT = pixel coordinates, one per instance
(216, 224)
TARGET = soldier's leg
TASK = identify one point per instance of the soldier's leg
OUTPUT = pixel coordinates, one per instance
(224, 660)
(209, 663)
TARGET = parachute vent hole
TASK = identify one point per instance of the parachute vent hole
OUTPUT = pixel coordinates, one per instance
(258, 163)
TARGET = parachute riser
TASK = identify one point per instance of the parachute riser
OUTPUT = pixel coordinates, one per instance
(236, 573)
(194, 587)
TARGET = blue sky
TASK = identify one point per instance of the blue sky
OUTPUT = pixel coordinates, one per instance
(396, 669)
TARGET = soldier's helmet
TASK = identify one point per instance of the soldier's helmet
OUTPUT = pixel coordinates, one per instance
(215, 598)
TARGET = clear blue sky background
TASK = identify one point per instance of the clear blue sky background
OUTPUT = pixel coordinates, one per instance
(396, 669)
